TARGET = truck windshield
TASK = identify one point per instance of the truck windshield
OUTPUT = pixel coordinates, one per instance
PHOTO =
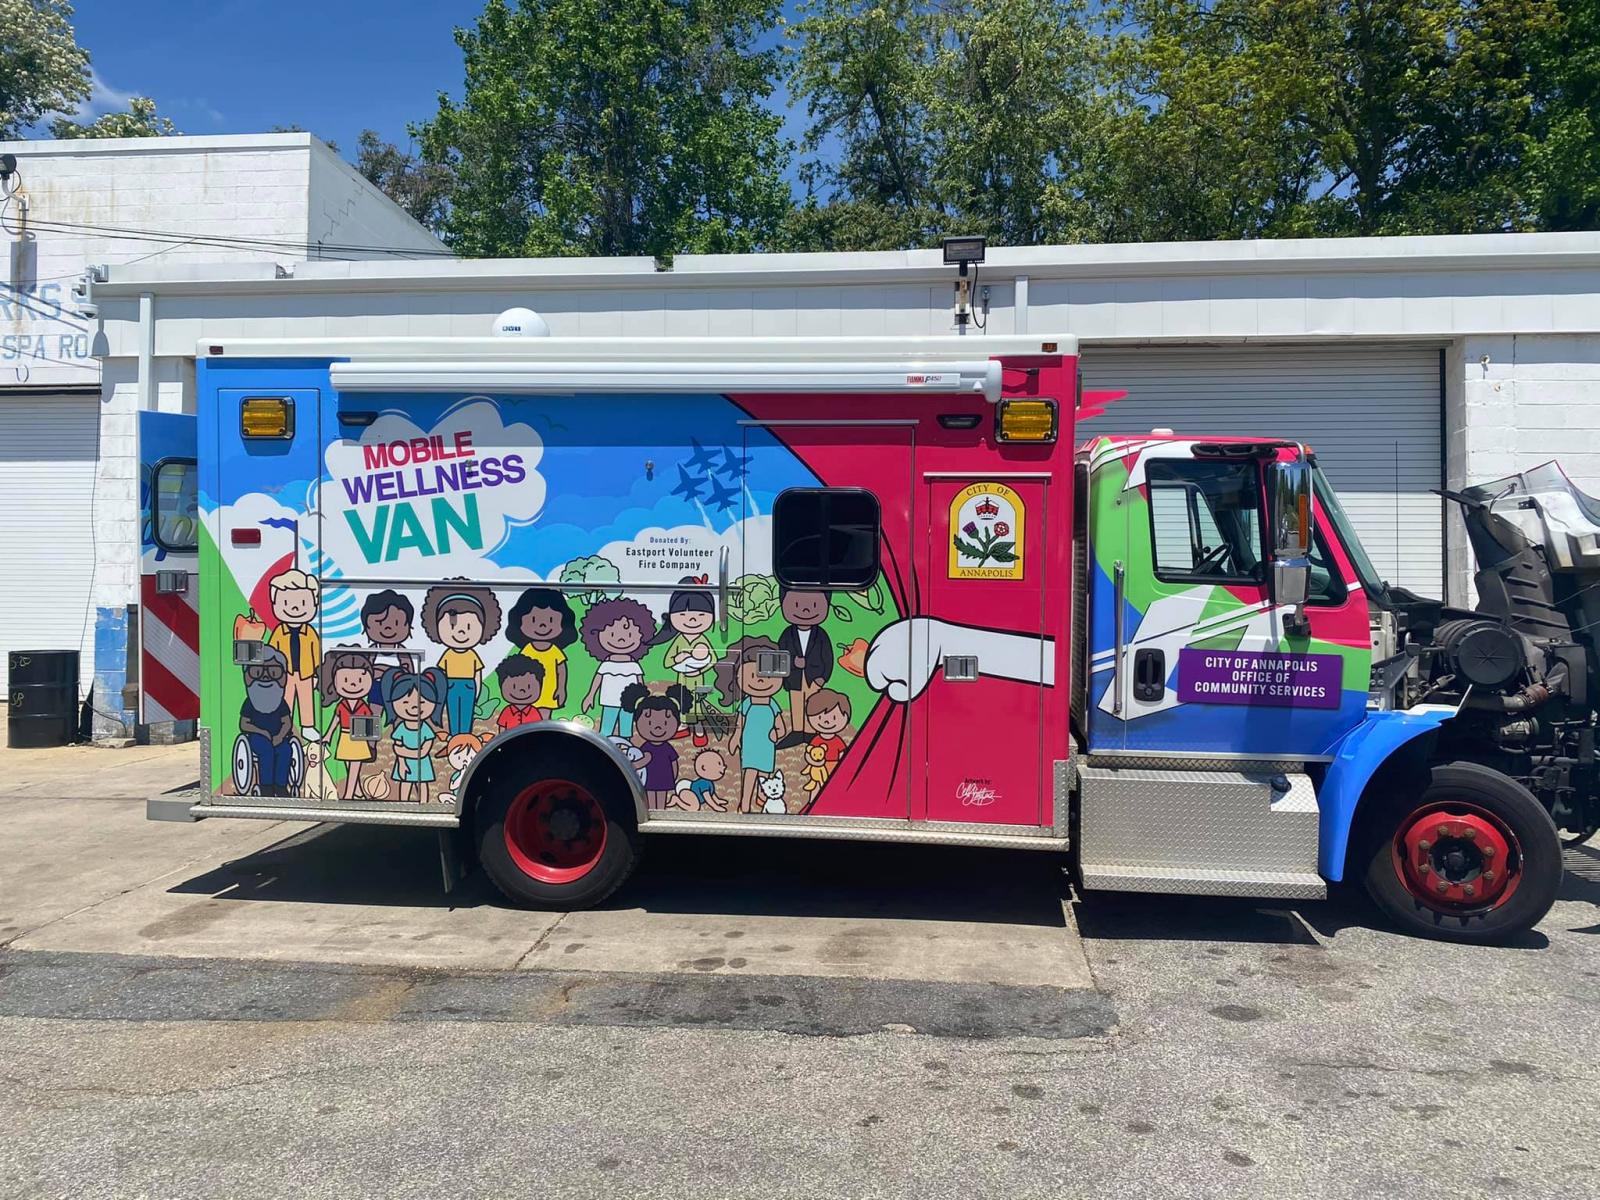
(1368, 574)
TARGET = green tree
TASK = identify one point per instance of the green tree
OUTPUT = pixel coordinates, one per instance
(139, 121)
(1251, 117)
(42, 68)
(612, 127)
(959, 116)
(421, 188)
(1565, 157)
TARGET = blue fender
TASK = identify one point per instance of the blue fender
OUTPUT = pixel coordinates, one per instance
(1359, 755)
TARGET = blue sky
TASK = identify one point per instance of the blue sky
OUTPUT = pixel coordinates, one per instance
(333, 67)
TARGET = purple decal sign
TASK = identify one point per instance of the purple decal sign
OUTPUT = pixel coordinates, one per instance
(1260, 677)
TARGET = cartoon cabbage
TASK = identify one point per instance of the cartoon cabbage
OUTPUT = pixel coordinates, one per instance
(754, 598)
(596, 571)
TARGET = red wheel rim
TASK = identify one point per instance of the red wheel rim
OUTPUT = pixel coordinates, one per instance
(1457, 858)
(555, 831)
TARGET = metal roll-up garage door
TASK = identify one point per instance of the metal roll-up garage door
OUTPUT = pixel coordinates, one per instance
(1371, 413)
(47, 473)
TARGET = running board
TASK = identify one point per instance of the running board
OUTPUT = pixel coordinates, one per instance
(1190, 881)
(158, 809)
(851, 833)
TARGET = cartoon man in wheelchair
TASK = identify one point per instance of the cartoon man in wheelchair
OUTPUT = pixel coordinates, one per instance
(267, 759)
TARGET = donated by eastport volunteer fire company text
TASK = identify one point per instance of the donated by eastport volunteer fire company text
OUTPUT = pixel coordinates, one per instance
(1259, 677)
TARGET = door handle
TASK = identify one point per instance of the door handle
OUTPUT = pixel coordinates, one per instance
(1149, 675)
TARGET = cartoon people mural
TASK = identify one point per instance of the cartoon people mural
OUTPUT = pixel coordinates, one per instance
(542, 626)
(760, 724)
(348, 675)
(460, 618)
(294, 596)
(386, 618)
(690, 614)
(266, 723)
(521, 683)
(617, 634)
(657, 719)
(810, 652)
(412, 700)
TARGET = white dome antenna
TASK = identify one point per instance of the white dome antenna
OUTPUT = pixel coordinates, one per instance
(520, 322)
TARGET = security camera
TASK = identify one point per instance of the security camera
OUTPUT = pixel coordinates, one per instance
(89, 312)
(8, 166)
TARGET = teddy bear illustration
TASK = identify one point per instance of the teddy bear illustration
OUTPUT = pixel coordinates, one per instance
(816, 773)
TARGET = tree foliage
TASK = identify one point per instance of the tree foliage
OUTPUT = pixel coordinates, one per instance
(612, 127)
(42, 68)
(421, 188)
(139, 121)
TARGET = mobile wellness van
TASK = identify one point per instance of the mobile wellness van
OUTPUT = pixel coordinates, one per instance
(558, 593)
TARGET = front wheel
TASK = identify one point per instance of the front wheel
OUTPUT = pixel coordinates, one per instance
(558, 839)
(1475, 858)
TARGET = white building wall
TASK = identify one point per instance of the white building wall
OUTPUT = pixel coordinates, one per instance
(159, 203)
(1513, 401)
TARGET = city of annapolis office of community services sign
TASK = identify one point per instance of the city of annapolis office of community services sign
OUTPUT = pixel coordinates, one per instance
(988, 531)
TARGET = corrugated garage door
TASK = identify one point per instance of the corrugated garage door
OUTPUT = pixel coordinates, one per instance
(1371, 413)
(47, 469)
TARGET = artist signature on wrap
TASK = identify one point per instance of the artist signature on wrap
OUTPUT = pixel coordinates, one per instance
(975, 793)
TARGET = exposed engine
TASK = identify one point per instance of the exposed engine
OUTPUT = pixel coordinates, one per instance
(1523, 665)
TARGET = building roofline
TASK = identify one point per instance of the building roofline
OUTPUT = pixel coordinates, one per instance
(1513, 251)
(180, 144)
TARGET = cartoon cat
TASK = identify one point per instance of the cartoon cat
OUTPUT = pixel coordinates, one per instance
(771, 788)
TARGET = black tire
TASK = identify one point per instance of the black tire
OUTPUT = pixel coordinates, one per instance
(507, 802)
(1465, 787)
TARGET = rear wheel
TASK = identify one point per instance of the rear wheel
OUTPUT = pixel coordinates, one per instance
(1475, 858)
(560, 838)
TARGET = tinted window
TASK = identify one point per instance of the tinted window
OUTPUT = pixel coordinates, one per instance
(1205, 518)
(826, 537)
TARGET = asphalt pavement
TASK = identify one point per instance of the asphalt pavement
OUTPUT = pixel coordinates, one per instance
(219, 1010)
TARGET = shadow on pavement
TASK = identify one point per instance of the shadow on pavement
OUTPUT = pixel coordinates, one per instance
(392, 866)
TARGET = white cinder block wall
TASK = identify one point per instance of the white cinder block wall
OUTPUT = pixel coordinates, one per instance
(1513, 401)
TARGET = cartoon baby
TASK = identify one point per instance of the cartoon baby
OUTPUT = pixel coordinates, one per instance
(701, 791)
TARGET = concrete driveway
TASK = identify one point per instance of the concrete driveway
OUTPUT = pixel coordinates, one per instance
(87, 874)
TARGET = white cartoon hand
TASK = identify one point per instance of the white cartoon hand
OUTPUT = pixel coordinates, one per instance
(903, 657)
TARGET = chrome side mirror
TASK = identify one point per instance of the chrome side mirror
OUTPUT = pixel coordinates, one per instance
(1289, 493)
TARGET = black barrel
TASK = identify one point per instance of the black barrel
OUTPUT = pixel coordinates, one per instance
(43, 698)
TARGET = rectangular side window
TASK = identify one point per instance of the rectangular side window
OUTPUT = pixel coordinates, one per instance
(175, 508)
(1205, 520)
(826, 537)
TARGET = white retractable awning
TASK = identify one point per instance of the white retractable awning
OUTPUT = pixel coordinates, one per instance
(975, 377)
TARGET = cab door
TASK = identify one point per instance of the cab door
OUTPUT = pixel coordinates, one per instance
(1205, 663)
(169, 594)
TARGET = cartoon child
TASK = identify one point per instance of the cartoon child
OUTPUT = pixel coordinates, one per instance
(460, 618)
(521, 686)
(810, 650)
(412, 699)
(386, 618)
(828, 713)
(265, 721)
(617, 633)
(701, 791)
(347, 674)
(760, 725)
(542, 624)
(294, 603)
(656, 721)
(460, 751)
(689, 615)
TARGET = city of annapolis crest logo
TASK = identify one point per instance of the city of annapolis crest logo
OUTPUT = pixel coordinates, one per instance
(988, 525)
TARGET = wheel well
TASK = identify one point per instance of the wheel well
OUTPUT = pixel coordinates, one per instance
(1405, 772)
(510, 755)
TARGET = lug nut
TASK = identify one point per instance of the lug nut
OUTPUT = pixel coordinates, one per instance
(1424, 867)
(1468, 890)
(1469, 833)
(1424, 844)
(1488, 876)
(1486, 851)
(1443, 831)
(1443, 886)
